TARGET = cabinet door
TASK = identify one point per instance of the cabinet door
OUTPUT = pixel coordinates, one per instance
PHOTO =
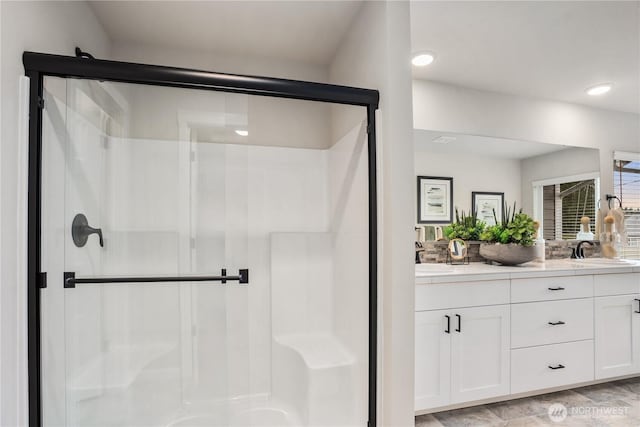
(617, 336)
(433, 359)
(480, 345)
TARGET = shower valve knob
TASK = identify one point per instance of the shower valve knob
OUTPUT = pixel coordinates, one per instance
(81, 230)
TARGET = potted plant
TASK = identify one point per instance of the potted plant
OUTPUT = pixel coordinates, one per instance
(466, 227)
(510, 241)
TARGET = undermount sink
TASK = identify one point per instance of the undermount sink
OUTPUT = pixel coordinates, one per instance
(602, 261)
(428, 269)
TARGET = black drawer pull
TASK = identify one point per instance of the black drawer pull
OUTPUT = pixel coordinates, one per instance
(556, 367)
(636, 299)
(448, 330)
(559, 288)
(459, 328)
(559, 322)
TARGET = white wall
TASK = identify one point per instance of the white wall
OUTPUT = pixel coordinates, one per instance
(472, 173)
(53, 27)
(375, 54)
(443, 107)
(218, 62)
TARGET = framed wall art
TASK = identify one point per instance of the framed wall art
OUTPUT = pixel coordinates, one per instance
(435, 200)
(485, 203)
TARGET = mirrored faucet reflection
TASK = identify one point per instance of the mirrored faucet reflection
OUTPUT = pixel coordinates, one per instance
(578, 251)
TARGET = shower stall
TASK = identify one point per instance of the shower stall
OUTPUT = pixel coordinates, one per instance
(202, 248)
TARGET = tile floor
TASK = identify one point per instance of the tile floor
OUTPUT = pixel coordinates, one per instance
(614, 404)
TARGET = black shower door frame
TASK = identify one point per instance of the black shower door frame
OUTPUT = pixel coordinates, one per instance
(39, 65)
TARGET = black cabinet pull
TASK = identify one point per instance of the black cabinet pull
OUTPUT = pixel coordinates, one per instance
(559, 322)
(448, 330)
(636, 299)
(559, 288)
(556, 367)
(458, 329)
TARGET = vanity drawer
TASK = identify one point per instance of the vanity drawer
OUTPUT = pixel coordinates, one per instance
(551, 322)
(531, 368)
(462, 294)
(617, 284)
(551, 288)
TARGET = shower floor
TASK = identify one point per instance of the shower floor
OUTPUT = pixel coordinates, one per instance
(259, 411)
(155, 402)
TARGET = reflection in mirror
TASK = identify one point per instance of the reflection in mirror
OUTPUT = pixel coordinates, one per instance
(626, 187)
(520, 170)
(457, 249)
(564, 204)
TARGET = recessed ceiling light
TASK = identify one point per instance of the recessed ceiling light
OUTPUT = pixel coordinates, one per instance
(422, 59)
(600, 89)
(242, 132)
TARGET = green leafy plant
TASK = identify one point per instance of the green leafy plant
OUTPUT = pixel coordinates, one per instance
(515, 227)
(466, 227)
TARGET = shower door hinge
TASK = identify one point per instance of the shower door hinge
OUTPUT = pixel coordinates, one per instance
(369, 128)
(40, 102)
(42, 280)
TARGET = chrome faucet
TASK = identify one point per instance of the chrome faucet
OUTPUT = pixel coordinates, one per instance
(578, 251)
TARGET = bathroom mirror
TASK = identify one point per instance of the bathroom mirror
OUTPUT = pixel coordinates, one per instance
(555, 184)
(457, 249)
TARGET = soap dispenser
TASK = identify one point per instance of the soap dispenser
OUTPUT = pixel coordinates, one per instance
(585, 229)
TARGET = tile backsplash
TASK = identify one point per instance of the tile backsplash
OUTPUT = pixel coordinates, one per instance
(436, 252)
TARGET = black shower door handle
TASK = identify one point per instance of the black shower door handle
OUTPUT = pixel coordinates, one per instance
(70, 279)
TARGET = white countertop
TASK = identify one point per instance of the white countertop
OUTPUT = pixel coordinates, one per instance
(443, 273)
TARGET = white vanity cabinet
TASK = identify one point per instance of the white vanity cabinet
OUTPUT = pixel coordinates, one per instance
(462, 353)
(488, 339)
(433, 359)
(551, 332)
(617, 325)
(480, 353)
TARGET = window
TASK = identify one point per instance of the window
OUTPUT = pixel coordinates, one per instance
(564, 205)
(626, 185)
(559, 203)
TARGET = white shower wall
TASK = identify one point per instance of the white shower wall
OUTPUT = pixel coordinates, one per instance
(255, 190)
(349, 210)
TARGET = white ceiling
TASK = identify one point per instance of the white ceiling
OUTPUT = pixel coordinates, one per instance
(306, 31)
(482, 146)
(552, 50)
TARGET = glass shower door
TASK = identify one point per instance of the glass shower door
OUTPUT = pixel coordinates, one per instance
(121, 205)
(207, 258)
